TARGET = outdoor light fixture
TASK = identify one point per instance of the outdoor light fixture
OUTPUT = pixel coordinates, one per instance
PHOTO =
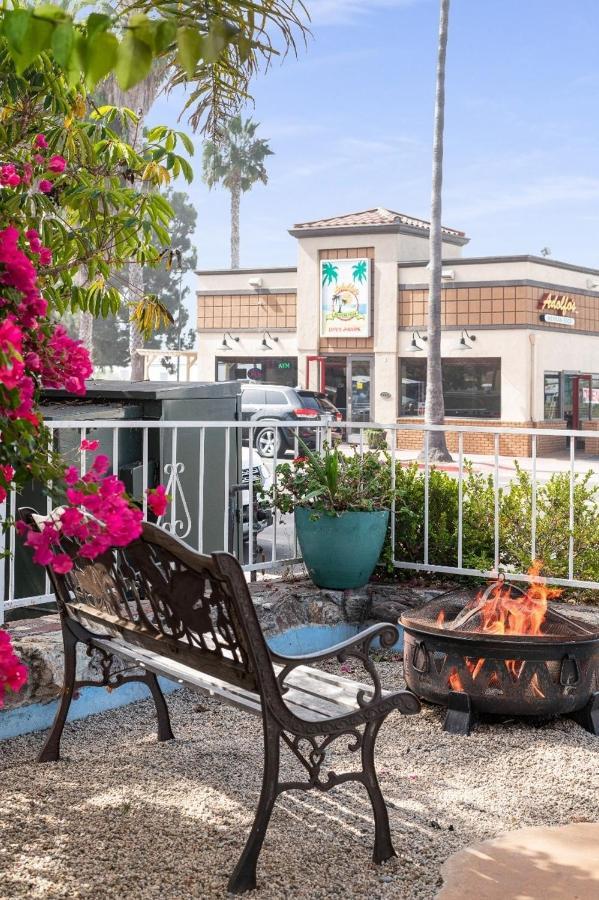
(264, 343)
(447, 274)
(414, 345)
(463, 343)
(223, 344)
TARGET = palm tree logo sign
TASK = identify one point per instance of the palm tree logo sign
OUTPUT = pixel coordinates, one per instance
(343, 299)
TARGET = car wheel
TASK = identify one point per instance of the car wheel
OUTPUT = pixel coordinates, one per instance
(268, 442)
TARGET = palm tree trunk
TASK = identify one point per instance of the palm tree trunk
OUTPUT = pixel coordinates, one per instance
(235, 200)
(434, 410)
(140, 98)
(86, 330)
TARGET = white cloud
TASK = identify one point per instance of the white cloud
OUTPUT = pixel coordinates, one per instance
(346, 12)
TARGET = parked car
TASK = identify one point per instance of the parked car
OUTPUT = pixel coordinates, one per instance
(261, 479)
(275, 401)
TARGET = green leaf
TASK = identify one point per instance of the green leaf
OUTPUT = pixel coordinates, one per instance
(97, 22)
(37, 38)
(50, 12)
(190, 46)
(102, 56)
(62, 43)
(187, 142)
(15, 27)
(166, 33)
(134, 61)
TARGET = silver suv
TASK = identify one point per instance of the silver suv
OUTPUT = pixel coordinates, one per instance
(275, 401)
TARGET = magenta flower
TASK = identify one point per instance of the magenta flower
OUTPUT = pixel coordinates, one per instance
(41, 142)
(13, 674)
(45, 256)
(57, 164)
(45, 186)
(89, 445)
(158, 500)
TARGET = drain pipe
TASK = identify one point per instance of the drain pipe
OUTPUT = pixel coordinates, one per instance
(532, 396)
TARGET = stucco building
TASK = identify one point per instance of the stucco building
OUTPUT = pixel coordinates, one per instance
(520, 333)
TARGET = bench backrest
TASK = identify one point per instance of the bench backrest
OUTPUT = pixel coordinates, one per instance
(160, 594)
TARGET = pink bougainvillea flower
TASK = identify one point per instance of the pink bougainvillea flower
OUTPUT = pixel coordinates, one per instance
(45, 256)
(27, 173)
(57, 164)
(9, 176)
(158, 500)
(39, 159)
(40, 141)
(89, 445)
(13, 674)
(45, 186)
(61, 563)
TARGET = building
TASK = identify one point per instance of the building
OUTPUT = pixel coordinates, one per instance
(519, 341)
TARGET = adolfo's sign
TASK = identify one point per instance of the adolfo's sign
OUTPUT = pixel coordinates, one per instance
(558, 303)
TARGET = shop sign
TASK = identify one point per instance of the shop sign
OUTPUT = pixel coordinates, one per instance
(559, 303)
(255, 374)
(558, 320)
(345, 287)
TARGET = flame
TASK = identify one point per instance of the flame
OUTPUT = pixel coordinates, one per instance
(500, 611)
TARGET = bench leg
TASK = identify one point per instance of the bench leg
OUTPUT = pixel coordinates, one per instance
(165, 732)
(51, 750)
(383, 848)
(244, 874)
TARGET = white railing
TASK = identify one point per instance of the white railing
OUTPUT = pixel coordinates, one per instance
(202, 465)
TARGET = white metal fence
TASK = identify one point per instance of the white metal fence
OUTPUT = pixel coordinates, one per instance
(213, 472)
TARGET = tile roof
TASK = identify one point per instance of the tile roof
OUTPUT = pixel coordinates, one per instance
(372, 217)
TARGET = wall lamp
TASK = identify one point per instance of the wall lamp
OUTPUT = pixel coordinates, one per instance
(264, 343)
(463, 341)
(414, 345)
(223, 344)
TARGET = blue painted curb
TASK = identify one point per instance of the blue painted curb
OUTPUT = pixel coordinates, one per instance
(91, 700)
(313, 638)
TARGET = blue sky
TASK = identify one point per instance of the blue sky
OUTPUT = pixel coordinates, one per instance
(350, 123)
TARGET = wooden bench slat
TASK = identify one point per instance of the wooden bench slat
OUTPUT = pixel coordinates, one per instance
(309, 696)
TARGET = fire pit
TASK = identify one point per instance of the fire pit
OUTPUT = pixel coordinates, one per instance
(504, 651)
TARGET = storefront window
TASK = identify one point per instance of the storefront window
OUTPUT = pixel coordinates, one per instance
(552, 396)
(274, 370)
(471, 389)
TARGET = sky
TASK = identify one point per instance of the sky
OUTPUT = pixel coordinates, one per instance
(350, 123)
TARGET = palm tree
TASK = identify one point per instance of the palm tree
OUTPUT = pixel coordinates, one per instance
(434, 409)
(330, 273)
(236, 158)
(360, 270)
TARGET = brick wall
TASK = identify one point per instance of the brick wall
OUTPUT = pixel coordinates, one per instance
(334, 345)
(483, 442)
(591, 445)
(503, 305)
(260, 310)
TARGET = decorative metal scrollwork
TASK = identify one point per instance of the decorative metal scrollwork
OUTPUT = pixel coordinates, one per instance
(176, 526)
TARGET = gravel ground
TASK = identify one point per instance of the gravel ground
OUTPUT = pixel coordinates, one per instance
(124, 817)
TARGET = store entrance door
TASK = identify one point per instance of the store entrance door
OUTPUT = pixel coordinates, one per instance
(348, 384)
(578, 398)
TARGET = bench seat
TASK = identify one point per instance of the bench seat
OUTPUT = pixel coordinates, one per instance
(312, 695)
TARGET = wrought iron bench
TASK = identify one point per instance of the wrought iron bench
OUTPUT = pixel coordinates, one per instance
(166, 610)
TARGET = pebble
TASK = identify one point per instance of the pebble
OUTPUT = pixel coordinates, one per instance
(123, 817)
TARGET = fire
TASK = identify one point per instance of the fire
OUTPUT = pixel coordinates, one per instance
(498, 610)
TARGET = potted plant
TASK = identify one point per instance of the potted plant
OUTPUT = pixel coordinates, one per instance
(341, 504)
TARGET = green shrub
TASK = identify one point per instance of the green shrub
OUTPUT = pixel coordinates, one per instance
(515, 517)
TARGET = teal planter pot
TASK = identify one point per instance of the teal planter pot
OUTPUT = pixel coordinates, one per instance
(341, 552)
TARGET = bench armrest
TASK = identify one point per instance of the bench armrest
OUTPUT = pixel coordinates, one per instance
(357, 648)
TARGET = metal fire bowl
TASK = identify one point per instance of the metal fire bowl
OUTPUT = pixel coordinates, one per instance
(566, 664)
